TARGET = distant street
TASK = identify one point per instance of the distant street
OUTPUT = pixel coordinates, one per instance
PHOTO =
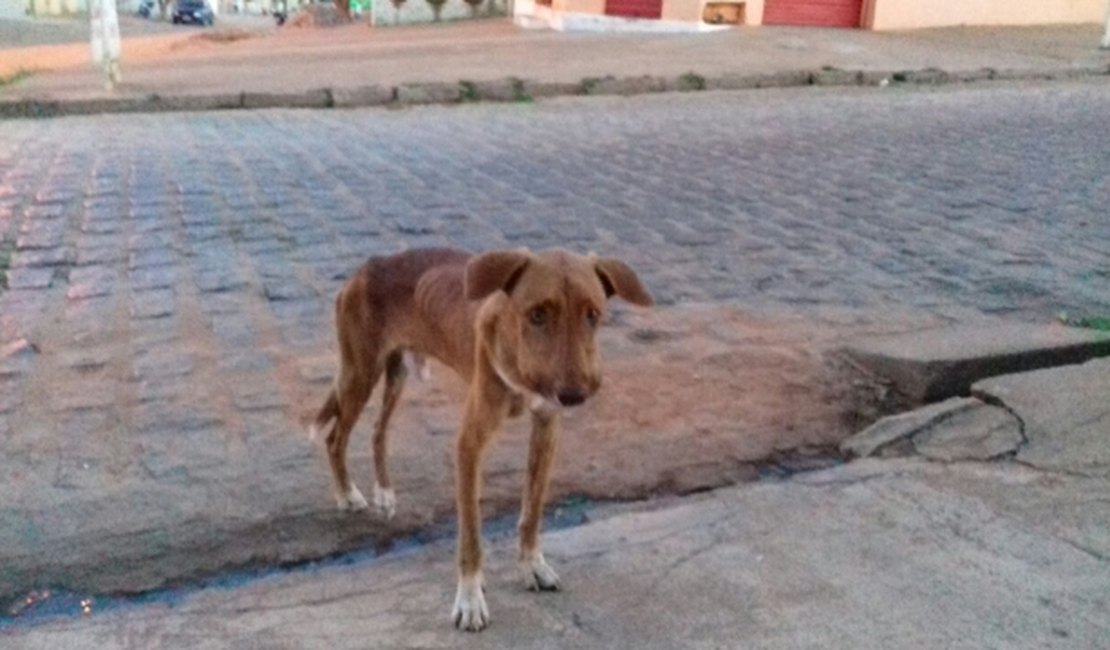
(169, 280)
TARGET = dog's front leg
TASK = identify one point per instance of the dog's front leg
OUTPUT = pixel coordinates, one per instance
(482, 420)
(538, 576)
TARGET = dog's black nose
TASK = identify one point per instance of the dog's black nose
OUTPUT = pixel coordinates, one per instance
(572, 397)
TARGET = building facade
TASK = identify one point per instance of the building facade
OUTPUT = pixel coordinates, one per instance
(701, 15)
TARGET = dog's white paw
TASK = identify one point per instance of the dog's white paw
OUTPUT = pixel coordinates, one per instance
(470, 612)
(385, 501)
(353, 500)
(538, 574)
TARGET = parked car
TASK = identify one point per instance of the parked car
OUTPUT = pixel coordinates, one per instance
(193, 11)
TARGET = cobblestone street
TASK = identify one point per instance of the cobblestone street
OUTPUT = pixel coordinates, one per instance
(168, 279)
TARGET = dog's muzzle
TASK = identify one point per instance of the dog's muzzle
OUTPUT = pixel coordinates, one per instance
(572, 397)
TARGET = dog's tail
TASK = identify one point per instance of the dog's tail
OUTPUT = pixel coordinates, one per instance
(325, 419)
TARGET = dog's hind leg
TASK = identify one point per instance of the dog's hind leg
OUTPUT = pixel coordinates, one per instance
(396, 371)
(538, 575)
(353, 390)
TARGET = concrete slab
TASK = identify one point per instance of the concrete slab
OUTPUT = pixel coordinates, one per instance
(935, 364)
(980, 433)
(875, 554)
(958, 428)
(893, 428)
(1066, 414)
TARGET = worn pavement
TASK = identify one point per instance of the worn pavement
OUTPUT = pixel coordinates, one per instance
(294, 61)
(166, 322)
(903, 553)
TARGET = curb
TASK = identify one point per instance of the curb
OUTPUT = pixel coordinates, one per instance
(931, 365)
(522, 90)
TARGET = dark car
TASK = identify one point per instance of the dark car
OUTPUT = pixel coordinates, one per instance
(193, 11)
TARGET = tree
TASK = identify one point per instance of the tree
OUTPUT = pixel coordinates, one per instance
(475, 6)
(397, 4)
(437, 8)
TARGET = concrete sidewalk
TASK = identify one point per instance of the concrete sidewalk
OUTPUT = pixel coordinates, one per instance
(900, 553)
(356, 65)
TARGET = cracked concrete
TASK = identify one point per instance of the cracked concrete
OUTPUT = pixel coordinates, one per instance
(1065, 413)
(875, 554)
(958, 428)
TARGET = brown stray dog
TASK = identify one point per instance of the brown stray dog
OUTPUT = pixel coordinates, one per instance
(518, 326)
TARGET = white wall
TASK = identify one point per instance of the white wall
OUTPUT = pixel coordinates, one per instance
(419, 11)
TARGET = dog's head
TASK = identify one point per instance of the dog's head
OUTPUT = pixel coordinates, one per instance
(540, 320)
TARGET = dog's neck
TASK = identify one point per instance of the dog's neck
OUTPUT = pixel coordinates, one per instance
(535, 402)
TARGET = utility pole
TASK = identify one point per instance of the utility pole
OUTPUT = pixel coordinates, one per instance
(105, 40)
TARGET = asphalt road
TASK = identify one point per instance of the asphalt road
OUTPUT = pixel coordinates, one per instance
(176, 271)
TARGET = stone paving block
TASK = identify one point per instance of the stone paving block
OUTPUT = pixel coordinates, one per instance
(197, 102)
(154, 277)
(84, 359)
(257, 396)
(500, 90)
(307, 99)
(245, 362)
(428, 93)
(732, 81)
(785, 79)
(933, 364)
(88, 315)
(317, 371)
(1065, 412)
(163, 362)
(155, 303)
(29, 278)
(91, 281)
(834, 77)
(624, 85)
(542, 89)
(86, 396)
(151, 257)
(46, 235)
(42, 258)
(220, 281)
(88, 256)
(687, 82)
(234, 331)
(362, 96)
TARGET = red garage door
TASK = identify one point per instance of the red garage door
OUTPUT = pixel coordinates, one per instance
(634, 8)
(820, 13)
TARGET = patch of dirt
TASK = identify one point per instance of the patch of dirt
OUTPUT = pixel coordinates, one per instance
(694, 398)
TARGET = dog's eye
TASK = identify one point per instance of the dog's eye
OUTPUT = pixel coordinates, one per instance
(592, 316)
(537, 316)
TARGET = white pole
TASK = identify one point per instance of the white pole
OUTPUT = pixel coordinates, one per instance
(105, 40)
(1106, 33)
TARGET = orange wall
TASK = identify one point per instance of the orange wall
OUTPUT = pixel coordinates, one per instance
(911, 14)
(580, 6)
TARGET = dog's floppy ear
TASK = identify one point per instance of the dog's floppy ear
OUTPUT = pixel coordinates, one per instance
(620, 280)
(494, 271)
